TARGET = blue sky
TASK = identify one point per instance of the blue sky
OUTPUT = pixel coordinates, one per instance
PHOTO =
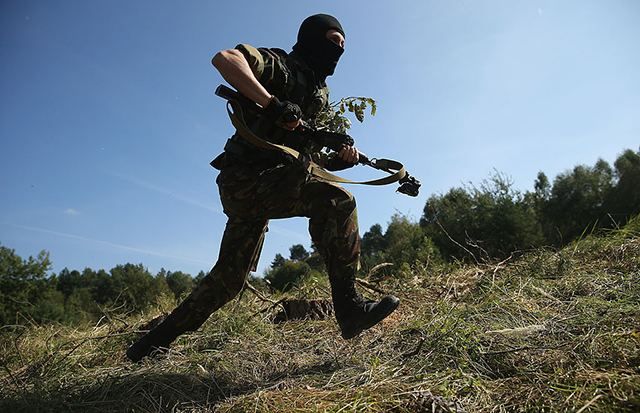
(108, 119)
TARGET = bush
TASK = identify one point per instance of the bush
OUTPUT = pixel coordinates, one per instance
(288, 275)
(490, 221)
(24, 289)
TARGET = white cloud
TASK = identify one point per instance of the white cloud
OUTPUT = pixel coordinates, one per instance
(71, 211)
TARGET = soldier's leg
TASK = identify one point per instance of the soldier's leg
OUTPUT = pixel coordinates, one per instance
(240, 243)
(333, 225)
(226, 279)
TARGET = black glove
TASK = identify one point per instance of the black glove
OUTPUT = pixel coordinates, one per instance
(281, 113)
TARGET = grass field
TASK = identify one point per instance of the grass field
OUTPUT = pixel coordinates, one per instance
(543, 331)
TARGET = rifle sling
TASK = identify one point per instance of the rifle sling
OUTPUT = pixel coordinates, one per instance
(237, 119)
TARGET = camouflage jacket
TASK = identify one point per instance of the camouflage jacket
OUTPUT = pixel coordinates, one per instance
(287, 77)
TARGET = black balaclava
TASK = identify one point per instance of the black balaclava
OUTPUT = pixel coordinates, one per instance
(320, 53)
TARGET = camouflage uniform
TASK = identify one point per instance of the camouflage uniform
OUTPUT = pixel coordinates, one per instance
(257, 185)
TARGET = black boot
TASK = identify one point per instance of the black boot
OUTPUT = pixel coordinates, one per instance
(365, 315)
(157, 339)
(353, 313)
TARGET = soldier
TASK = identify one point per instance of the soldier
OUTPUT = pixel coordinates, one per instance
(256, 185)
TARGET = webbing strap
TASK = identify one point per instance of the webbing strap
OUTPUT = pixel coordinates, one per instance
(237, 119)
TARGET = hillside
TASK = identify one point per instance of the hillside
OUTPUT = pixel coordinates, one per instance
(543, 330)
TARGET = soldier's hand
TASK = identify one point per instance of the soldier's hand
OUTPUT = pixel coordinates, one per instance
(292, 125)
(349, 154)
(284, 114)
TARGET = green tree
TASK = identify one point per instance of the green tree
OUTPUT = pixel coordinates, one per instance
(81, 307)
(81, 295)
(403, 242)
(179, 283)
(489, 221)
(315, 260)
(373, 242)
(577, 202)
(298, 252)
(25, 289)
(136, 287)
(69, 281)
(104, 290)
(623, 201)
(406, 242)
(288, 275)
(199, 277)
(542, 187)
(278, 261)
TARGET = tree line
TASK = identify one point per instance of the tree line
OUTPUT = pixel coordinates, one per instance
(28, 293)
(481, 222)
(491, 221)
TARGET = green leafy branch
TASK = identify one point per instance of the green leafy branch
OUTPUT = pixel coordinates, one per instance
(334, 119)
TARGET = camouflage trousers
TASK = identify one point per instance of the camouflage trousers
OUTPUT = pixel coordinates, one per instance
(251, 197)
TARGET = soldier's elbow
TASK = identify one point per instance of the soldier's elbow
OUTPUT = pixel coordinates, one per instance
(224, 57)
(217, 60)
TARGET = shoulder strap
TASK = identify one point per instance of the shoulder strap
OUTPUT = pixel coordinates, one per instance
(234, 110)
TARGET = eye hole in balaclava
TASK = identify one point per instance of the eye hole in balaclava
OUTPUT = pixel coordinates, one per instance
(320, 53)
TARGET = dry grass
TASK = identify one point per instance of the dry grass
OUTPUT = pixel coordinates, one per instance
(548, 331)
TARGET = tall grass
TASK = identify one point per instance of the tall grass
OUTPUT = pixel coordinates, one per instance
(547, 331)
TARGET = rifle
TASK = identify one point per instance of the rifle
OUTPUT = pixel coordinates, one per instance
(335, 141)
